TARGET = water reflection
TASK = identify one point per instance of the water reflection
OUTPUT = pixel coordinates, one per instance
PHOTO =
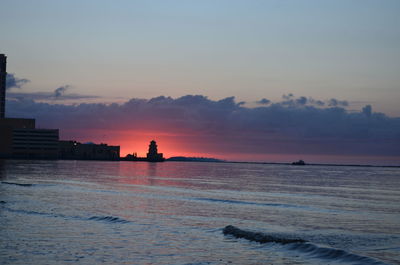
(2, 169)
(150, 174)
(152, 169)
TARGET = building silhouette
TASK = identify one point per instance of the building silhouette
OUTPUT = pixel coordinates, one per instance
(89, 151)
(3, 75)
(19, 138)
(153, 155)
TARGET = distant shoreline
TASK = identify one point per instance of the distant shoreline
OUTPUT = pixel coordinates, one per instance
(309, 164)
(215, 160)
(218, 161)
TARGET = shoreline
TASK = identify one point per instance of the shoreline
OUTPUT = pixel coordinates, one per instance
(222, 161)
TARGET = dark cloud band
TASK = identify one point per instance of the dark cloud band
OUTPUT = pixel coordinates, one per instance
(277, 127)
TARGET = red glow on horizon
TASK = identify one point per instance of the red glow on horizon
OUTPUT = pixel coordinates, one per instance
(136, 142)
(181, 144)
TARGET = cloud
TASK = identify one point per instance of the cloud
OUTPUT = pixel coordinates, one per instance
(226, 126)
(291, 100)
(263, 101)
(14, 82)
(58, 94)
(367, 110)
(60, 91)
(46, 96)
(301, 100)
(316, 102)
(288, 96)
(335, 103)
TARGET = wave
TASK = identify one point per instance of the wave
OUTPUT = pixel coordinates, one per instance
(302, 245)
(258, 237)
(18, 184)
(247, 202)
(334, 254)
(278, 205)
(31, 212)
(110, 219)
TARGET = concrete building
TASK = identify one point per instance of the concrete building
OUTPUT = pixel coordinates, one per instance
(3, 74)
(35, 143)
(7, 130)
(78, 151)
(19, 138)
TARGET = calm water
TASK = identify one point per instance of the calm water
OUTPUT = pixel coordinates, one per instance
(174, 213)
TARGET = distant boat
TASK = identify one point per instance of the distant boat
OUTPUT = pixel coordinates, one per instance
(299, 163)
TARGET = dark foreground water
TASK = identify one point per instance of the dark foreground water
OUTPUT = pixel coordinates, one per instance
(60, 212)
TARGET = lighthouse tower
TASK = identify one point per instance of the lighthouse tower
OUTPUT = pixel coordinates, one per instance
(153, 155)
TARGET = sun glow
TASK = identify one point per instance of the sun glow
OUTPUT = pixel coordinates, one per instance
(195, 145)
(138, 141)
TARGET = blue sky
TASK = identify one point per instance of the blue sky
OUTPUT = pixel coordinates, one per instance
(248, 49)
(325, 69)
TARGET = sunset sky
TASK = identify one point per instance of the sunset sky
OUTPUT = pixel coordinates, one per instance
(239, 80)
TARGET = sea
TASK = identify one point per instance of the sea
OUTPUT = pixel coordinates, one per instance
(96, 212)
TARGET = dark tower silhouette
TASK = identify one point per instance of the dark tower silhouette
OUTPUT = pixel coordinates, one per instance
(3, 74)
(153, 155)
